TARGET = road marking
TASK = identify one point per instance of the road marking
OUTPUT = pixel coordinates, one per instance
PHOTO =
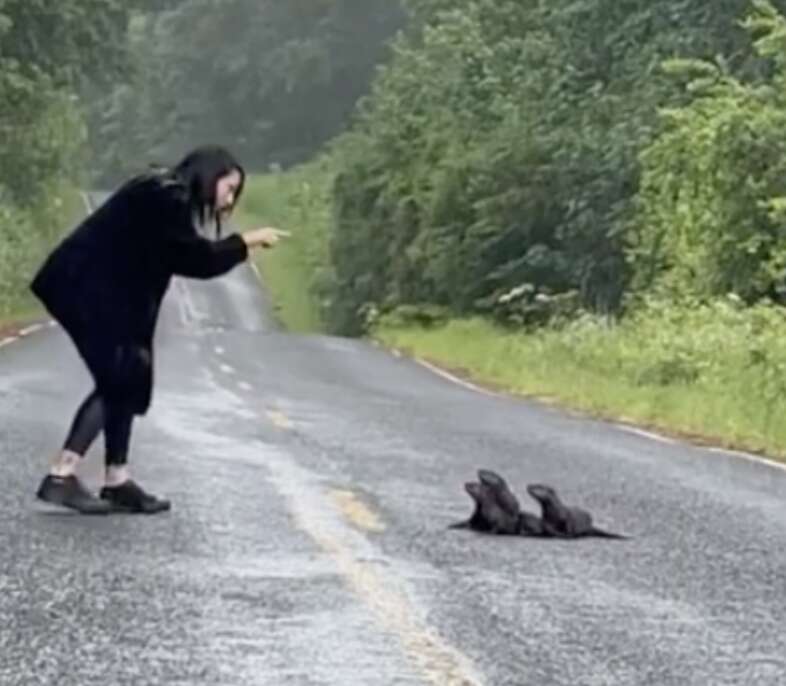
(219, 350)
(440, 663)
(454, 379)
(646, 434)
(188, 304)
(87, 203)
(226, 369)
(30, 329)
(180, 302)
(384, 593)
(245, 386)
(750, 457)
(8, 340)
(189, 312)
(356, 511)
(641, 432)
(279, 419)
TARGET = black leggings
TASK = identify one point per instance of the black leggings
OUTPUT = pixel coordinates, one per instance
(93, 415)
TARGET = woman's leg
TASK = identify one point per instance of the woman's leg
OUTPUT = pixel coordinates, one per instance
(121, 491)
(61, 486)
(87, 423)
(117, 437)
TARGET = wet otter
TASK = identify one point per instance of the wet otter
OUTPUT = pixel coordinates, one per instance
(497, 509)
(527, 523)
(565, 521)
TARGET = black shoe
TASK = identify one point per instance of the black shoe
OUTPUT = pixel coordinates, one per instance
(69, 491)
(129, 497)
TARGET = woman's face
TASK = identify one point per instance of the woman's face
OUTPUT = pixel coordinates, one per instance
(226, 191)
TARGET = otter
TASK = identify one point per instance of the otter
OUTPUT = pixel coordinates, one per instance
(497, 509)
(565, 521)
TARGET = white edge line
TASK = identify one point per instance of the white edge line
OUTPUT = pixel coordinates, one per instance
(646, 434)
(750, 457)
(455, 379)
(640, 432)
(26, 332)
(86, 201)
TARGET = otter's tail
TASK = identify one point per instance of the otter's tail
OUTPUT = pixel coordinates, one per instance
(600, 533)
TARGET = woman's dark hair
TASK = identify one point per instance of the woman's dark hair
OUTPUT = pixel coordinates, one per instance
(199, 171)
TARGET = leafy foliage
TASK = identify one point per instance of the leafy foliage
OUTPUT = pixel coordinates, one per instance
(48, 53)
(711, 203)
(272, 80)
(505, 143)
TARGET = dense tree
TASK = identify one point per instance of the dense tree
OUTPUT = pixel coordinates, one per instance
(50, 54)
(499, 155)
(273, 80)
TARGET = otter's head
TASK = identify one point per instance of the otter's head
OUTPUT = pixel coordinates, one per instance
(475, 490)
(541, 492)
(490, 478)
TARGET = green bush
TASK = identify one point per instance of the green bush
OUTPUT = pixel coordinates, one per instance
(502, 146)
(28, 235)
(711, 203)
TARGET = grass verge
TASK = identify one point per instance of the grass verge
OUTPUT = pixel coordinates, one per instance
(298, 202)
(28, 235)
(739, 409)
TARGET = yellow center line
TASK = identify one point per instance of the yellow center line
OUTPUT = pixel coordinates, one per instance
(356, 511)
(279, 419)
(438, 662)
(383, 592)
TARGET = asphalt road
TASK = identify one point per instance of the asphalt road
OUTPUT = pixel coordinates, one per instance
(312, 480)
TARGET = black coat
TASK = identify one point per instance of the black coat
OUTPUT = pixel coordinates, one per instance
(105, 282)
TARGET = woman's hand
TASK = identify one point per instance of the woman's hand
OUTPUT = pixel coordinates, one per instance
(265, 237)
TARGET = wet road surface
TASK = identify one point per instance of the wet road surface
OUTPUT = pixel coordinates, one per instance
(312, 480)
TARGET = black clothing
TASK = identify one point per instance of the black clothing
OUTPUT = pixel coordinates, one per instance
(105, 282)
(92, 416)
(69, 491)
(130, 497)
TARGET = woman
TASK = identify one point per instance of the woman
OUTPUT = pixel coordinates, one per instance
(104, 284)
